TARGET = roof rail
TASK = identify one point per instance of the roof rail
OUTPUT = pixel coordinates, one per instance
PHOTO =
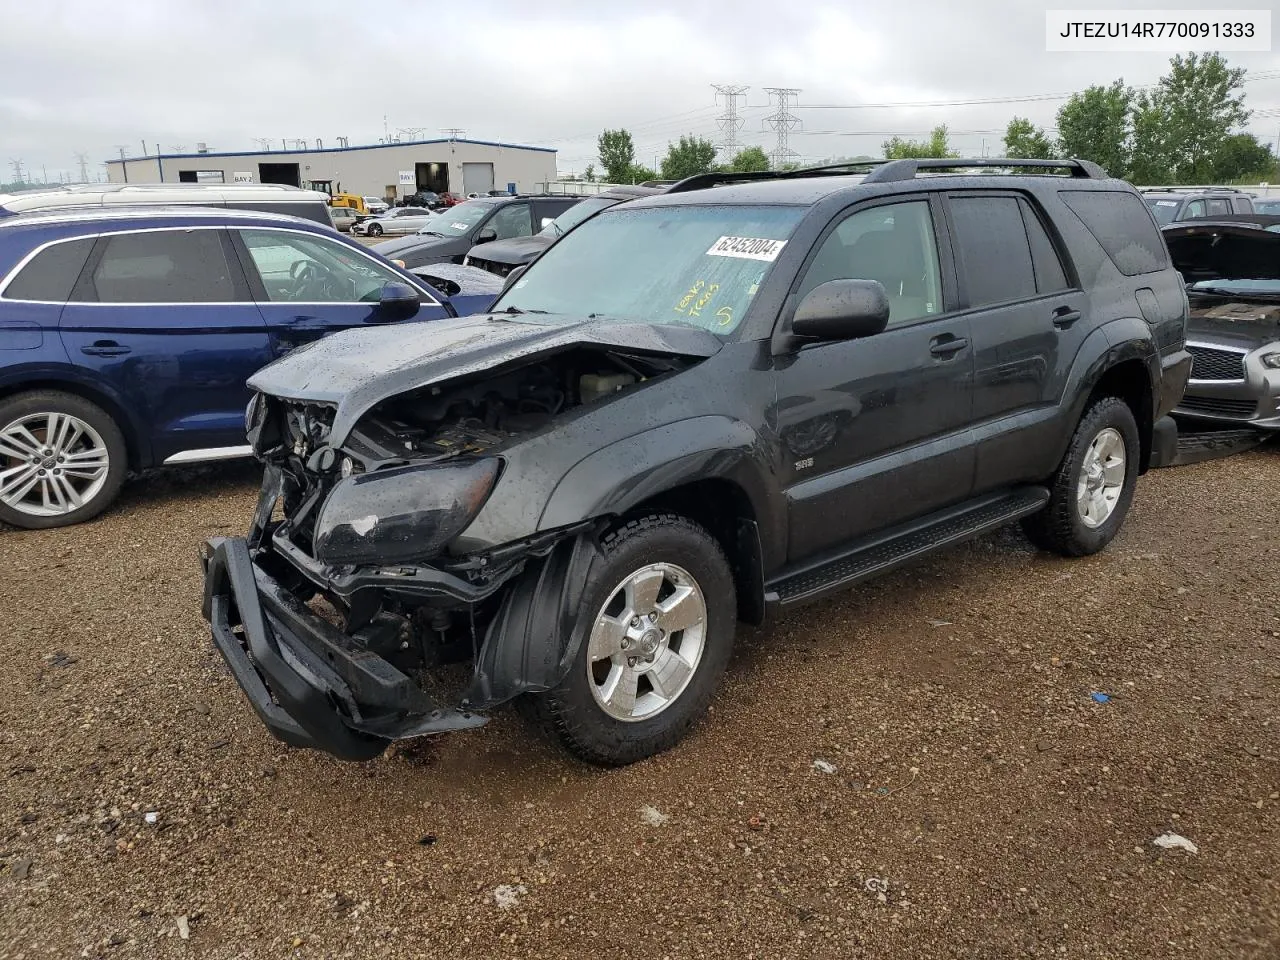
(1193, 190)
(896, 170)
(700, 181)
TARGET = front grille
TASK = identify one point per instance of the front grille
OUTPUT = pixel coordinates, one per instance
(1210, 364)
(1240, 409)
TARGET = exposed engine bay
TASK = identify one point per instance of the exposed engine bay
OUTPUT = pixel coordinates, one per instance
(477, 414)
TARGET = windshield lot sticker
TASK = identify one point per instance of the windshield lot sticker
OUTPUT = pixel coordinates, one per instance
(1166, 203)
(458, 226)
(747, 248)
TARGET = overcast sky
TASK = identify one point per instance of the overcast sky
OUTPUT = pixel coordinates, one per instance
(82, 75)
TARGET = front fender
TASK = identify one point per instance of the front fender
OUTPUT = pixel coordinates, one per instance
(623, 474)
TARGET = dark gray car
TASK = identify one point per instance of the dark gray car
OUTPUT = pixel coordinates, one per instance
(1174, 205)
(452, 233)
(1232, 272)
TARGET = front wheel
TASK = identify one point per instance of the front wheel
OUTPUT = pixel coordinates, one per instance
(375, 230)
(1093, 488)
(655, 630)
(62, 459)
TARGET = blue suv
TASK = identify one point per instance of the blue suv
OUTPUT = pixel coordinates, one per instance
(127, 335)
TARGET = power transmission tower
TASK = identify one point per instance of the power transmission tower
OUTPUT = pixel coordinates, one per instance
(410, 133)
(453, 133)
(264, 143)
(729, 122)
(83, 160)
(782, 123)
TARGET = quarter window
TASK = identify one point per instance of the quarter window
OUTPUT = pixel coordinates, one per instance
(1122, 226)
(296, 268)
(165, 266)
(894, 244)
(52, 273)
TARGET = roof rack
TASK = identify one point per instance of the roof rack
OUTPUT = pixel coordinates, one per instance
(701, 181)
(896, 170)
(1192, 190)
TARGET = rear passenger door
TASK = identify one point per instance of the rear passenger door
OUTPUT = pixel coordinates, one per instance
(164, 317)
(1027, 322)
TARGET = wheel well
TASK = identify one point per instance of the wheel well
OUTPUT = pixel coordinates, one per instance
(113, 409)
(722, 507)
(1131, 382)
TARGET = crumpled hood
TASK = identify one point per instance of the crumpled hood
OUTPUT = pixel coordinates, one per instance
(1223, 251)
(357, 369)
(455, 280)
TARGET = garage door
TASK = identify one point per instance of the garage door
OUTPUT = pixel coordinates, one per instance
(477, 178)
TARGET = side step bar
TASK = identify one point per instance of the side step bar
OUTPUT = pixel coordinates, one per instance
(891, 549)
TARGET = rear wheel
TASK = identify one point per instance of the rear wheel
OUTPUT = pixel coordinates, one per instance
(655, 630)
(1091, 492)
(62, 459)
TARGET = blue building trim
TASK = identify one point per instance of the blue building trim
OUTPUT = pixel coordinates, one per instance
(366, 146)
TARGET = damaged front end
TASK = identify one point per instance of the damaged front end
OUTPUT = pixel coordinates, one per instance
(347, 610)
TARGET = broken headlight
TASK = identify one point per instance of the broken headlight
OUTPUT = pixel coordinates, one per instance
(401, 514)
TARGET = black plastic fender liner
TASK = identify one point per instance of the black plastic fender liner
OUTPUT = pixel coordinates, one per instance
(531, 641)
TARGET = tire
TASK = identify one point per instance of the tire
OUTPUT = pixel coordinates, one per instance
(81, 429)
(669, 546)
(1071, 525)
(375, 230)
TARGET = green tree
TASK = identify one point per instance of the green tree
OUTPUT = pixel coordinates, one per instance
(1025, 141)
(639, 173)
(692, 155)
(589, 174)
(937, 145)
(1094, 125)
(617, 154)
(1202, 100)
(1151, 156)
(1241, 157)
(750, 160)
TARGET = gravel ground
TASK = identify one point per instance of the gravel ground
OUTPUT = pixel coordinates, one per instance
(979, 802)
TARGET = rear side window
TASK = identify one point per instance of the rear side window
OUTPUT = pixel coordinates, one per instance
(167, 266)
(1122, 226)
(52, 273)
(1050, 277)
(994, 249)
(1218, 207)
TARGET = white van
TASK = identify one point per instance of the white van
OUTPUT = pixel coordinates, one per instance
(263, 197)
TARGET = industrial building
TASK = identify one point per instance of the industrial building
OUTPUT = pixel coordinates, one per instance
(382, 170)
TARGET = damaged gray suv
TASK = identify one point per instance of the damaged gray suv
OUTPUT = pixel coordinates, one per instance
(693, 409)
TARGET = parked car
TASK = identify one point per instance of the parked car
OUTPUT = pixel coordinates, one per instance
(397, 220)
(1232, 272)
(1174, 205)
(583, 491)
(127, 335)
(262, 197)
(426, 198)
(344, 218)
(451, 235)
(1267, 206)
(451, 199)
(502, 256)
(376, 205)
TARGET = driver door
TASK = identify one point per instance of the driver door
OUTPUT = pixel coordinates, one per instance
(308, 286)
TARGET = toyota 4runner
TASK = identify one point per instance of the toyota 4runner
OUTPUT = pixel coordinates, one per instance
(693, 409)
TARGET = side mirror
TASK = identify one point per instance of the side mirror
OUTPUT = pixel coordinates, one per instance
(842, 310)
(513, 276)
(397, 301)
(487, 234)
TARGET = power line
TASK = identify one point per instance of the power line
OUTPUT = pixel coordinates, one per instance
(729, 121)
(782, 122)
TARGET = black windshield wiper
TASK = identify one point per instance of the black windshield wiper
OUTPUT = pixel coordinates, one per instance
(517, 311)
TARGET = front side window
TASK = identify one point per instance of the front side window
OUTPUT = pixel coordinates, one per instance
(893, 244)
(1195, 209)
(164, 266)
(297, 268)
(689, 264)
(512, 221)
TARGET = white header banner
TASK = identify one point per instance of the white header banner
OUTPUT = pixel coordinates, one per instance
(1157, 31)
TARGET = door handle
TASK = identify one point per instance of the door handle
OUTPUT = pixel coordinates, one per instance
(106, 348)
(947, 346)
(1064, 317)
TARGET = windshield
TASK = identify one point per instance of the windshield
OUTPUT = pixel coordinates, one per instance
(575, 215)
(694, 265)
(457, 220)
(1164, 210)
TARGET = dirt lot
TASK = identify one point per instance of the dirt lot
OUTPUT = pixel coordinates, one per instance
(978, 786)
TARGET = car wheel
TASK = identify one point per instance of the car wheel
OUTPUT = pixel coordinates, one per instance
(375, 230)
(62, 460)
(655, 630)
(1093, 488)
